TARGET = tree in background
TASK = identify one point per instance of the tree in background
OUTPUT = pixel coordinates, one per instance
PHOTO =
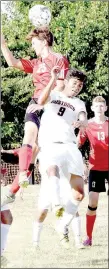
(81, 33)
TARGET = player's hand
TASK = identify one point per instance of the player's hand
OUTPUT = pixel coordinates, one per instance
(33, 108)
(86, 172)
(79, 124)
(55, 72)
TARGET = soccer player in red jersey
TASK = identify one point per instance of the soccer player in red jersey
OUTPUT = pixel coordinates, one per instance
(97, 134)
(42, 41)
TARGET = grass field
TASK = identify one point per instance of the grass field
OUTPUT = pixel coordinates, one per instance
(21, 254)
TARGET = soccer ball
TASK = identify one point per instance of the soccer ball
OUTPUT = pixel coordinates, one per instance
(40, 16)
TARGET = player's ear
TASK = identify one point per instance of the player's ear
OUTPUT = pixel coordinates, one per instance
(45, 42)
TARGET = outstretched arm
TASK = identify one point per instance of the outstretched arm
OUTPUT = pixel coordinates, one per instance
(8, 55)
(47, 90)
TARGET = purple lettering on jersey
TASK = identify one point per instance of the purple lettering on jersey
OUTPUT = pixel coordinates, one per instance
(58, 102)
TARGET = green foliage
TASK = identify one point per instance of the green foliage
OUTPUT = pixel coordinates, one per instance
(80, 29)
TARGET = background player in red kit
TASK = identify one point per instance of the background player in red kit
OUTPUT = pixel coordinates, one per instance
(42, 41)
(98, 136)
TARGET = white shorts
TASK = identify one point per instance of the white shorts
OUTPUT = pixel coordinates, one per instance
(44, 200)
(66, 156)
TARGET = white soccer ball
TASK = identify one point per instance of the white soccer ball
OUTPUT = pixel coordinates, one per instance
(40, 16)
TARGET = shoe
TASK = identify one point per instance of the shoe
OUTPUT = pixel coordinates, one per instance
(65, 240)
(23, 179)
(3, 262)
(79, 245)
(87, 242)
(7, 197)
(58, 211)
(36, 244)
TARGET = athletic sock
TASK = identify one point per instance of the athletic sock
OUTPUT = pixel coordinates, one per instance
(37, 228)
(15, 186)
(55, 190)
(76, 227)
(90, 220)
(25, 157)
(70, 211)
(4, 235)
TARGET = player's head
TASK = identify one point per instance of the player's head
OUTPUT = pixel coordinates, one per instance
(99, 106)
(74, 81)
(40, 39)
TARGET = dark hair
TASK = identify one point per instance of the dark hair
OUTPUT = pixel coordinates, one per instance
(41, 33)
(73, 72)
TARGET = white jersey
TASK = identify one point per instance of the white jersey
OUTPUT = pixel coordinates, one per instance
(56, 122)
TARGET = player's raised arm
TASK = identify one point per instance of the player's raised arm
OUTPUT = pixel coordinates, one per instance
(8, 55)
(64, 67)
(81, 137)
(47, 90)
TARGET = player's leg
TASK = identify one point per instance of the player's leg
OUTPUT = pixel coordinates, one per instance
(32, 123)
(71, 206)
(6, 221)
(76, 227)
(91, 217)
(50, 161)
(54, 184)
(96, 185)
(9, 194)
(65, 193)
(74, 164)
(43, 206)
(25, 154)
(15, 185)
(38, 225)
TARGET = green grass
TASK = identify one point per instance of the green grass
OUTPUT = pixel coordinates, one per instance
(21, 254)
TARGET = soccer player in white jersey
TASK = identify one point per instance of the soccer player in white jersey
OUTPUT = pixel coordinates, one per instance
(59, 153)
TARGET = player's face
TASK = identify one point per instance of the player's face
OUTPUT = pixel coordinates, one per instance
(38, 45)
(99, 108)
(73, 86)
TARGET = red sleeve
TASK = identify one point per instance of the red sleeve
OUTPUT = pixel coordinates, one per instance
(64, 66)
(81, 137)
(28, 65)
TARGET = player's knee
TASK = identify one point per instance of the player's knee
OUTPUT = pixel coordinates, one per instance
(53, 170)
(6, 217)
(93, 204)
(79, 196)
(42, 215)
(93, 199)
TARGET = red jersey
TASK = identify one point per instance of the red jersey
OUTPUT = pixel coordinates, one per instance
(41, 70)
(98, 137)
